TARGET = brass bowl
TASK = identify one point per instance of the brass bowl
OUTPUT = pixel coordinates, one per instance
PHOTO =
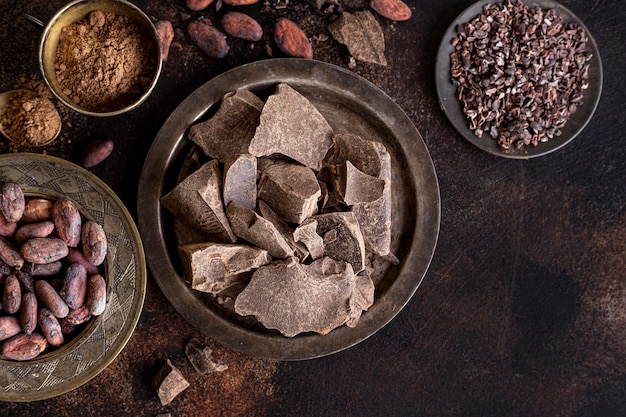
(74, 12)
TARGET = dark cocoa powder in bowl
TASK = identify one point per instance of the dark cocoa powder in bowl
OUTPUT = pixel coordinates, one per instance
(104, 62)
(30, 119)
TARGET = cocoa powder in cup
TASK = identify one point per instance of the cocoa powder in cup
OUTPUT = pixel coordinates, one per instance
(30, 119)
(104, 62)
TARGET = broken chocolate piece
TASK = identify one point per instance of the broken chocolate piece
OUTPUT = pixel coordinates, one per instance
(201, 359)
(232, 127)
(358, 187)
(168, 382)
(291, 190)
(213, 267)
(253, 228)
(361, 34)
(363, 154)
(317, 296)
(240, 181)
(362, 300)
(342, 237)
(307, 234)
(197, 201)
(290, 125)
(300, 251)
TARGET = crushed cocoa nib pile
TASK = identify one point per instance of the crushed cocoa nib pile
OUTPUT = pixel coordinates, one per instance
(520, 72)
(104, 62)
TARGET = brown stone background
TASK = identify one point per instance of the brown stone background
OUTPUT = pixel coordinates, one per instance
(523, 310)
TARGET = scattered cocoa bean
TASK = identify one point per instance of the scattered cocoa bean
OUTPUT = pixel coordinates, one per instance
(23, 347)
(51, 299)
(74, 288)
(37, 210)
(96, 294)
(50, 327)
(43, 250)
(96, 152)
(76, 256)
(93, 243)
(291, 40)
(28, 313)
(210, 40)
(78, 316)
(7, 228)
(67, 222)
(28, 231)
(9, 327)
(392, 9)
(43, 270)
(198, 5)
(12, 202)
(25, 279)
(10, 256)
(12, 296)
(166, 36)
(242, 26)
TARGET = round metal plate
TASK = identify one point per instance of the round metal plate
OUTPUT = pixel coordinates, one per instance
(84, 357)
(454, 111)
(350, 104)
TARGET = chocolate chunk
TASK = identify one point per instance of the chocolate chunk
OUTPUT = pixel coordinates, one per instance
(168, 382)
(240, 181)
(307, 234)
(342, 237)
(361, 34)
(357, 187)
(290, 125)
(300, 251)
(318, 297)
(200, 357)
(197, 201)
(362, 300)
(232, 127)
(291, 190)
(363, 154)
(213, 267)
(253, 228)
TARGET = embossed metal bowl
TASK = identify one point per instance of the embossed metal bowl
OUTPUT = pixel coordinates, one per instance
(57, 371)
(72, 13)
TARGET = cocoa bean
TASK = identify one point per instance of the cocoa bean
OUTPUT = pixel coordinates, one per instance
(93, 243)
(210, 40)
(10, 256)
(43, 250)
(96, 294)
(37, 210)
(240, 2)
(50, 327)
(12, 296)
(78, 316)
(28, 313)
(96, 152)
(67, 328)
(166, 36)
(392, 9)
(29, 231)
(23, 347)
(42, 270)
(74, 288)
(7, 228)
(12, 202)
(67, 222)
(51, 299)
(291, 40)
(76, 256)
(242, 26)
(26, 280)
(9, 327)
(198, 5)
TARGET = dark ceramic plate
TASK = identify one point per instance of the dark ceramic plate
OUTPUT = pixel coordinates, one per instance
(453, 109)
(350, 104)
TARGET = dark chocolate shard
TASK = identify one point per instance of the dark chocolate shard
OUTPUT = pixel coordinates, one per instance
(197, 201)
(294, 298)
(307, 234)
(168, 382)
(358, 187)
(342, 237)
(362, 153)
(213, 267)
(361, 34)
(290, 125)
(291, 190)
(362, 300)
(201, 359)
(253, 228)
(299, 249)
(240, 181)
(231, 129)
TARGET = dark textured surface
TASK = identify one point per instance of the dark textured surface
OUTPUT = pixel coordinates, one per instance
(523, 310)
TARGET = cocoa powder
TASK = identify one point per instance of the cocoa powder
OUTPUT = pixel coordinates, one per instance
(30, 119)
(104, 62)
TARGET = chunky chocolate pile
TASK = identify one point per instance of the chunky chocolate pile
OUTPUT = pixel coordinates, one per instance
(291, 211)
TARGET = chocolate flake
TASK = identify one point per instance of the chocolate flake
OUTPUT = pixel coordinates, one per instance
(201, 359)
(307, 234)
(168, 382)
(361, 34)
